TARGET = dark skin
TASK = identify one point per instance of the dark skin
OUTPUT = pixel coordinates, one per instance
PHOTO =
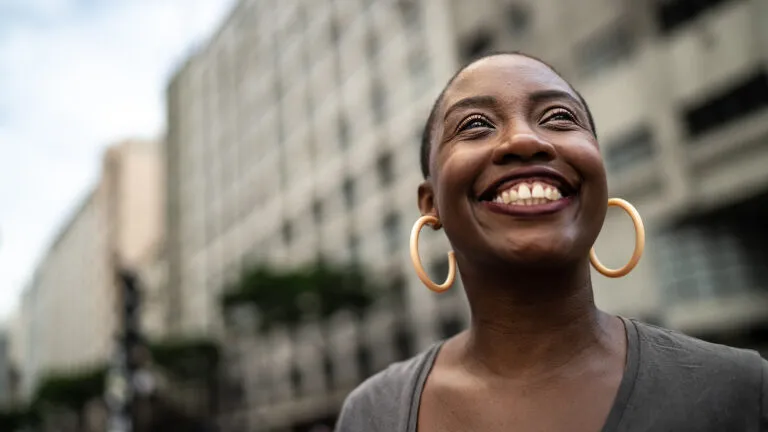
(539, 355)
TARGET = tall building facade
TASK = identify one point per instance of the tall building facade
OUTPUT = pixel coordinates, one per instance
(294, 134)
(67, 318)
(679, 92)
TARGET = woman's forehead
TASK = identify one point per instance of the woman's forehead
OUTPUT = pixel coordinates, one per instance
(505, 74)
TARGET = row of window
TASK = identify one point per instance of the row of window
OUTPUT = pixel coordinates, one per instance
(391, 228)
(607, 48)
(404, 347)
(715, 256)
(741, 99)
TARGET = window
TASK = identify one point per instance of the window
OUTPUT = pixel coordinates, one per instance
(349, 193)
(438, 271)
(277, 88)
(311, 144)
(338, 71)
(404, 344)
(354, 248)
(364, 360)
(308, 99)
(479, 44)
(343, 131)
(372, 43)
(378, 101)
(297, 380)
(410, 13)
(328, 371)
(385, 169)
(283, 167)
(630, 149)
(418, 66)
(450, 327)
(518, 19)
(287, 233)
(392, 231)
(604, 50)
(744, 98)
(672, 14)
(397, 287)
(334, 30)
(317, 212)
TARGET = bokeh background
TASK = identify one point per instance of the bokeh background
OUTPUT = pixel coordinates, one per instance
(206, 204)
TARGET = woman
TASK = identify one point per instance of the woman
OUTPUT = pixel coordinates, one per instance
(514, 176)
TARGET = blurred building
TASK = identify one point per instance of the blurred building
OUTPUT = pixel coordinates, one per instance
(68, 313)
(294, 134)
(6, 371)
(679, 92)
(16, 350)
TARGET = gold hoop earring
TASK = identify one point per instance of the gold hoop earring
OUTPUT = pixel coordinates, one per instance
(435, 223)
(639, 242)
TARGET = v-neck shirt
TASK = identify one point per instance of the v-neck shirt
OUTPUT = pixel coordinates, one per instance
(671, 382)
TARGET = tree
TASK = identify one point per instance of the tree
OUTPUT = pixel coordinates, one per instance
(288, 296)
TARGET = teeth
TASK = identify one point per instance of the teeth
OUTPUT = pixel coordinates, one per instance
(538, 191)
(524, 192)
(529, 194)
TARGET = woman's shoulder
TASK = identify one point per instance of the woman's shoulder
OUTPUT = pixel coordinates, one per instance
(383, 400)
(672, 360)
(665, 345)
(676, 376)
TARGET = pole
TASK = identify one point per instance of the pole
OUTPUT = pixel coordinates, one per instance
(120, 386)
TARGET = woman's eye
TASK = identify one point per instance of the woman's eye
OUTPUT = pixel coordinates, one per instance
(474, 123)
(560, 114)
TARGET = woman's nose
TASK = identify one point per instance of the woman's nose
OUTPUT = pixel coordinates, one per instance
(523, 145)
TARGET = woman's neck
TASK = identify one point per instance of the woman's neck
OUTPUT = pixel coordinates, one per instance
(532, 322)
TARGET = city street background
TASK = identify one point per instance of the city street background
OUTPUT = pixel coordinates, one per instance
(205, 204)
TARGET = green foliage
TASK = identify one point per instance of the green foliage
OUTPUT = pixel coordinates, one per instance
(14, 419)
(189, 359)
(71, 389)
(287, 296)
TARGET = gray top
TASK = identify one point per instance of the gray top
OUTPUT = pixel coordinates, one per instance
(671, 382)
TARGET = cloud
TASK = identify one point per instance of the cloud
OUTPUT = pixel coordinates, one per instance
(77, 76)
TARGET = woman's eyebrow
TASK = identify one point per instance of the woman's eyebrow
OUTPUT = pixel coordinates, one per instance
(484, 101)
(549, 95)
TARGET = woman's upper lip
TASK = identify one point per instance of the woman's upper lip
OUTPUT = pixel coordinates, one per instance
(532, 172)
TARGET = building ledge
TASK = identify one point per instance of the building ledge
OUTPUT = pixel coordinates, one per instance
(719, 315)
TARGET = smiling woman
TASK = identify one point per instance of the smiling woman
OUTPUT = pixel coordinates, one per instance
(514, 175)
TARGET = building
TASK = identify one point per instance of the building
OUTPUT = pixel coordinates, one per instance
(134, 175)
(6, 372)
(294, 134)
(679, 92)
(68, 312)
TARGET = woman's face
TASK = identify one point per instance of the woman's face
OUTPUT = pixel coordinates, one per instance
(516, 173)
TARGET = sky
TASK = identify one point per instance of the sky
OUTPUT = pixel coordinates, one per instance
(76, 76)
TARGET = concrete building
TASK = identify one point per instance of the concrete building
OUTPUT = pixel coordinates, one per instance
(6, 371)
(679, 92)
(294, 134)
(68, 313)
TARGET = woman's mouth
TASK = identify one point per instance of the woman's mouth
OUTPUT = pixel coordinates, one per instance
(529, 197)
(528, 194)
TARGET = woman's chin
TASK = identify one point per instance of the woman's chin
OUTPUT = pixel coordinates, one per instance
(538, 256)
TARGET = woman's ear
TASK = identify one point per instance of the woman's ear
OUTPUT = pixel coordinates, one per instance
(427, 199)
